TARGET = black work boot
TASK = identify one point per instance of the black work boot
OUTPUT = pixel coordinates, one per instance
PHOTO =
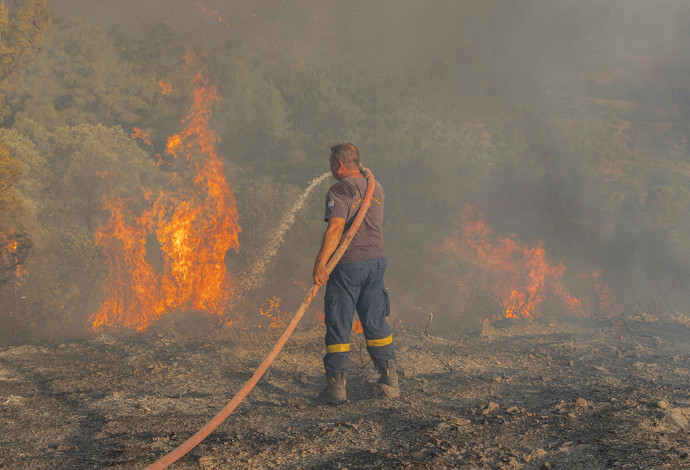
(334, 393)
(388, 382)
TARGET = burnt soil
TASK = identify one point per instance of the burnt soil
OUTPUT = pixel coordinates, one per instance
(567, 393)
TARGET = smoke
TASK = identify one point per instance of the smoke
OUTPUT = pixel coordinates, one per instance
(566, 122)
(448, 49)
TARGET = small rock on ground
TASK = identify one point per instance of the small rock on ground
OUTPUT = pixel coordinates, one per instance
(679, 420)
(489, 408)
(581, 403)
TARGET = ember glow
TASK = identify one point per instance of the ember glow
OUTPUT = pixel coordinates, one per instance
(271, 310)
(209, 12)
(165, 87)
(603, 299)
(144, 136)
(195, 223)
(8, 252)
(14, 250)
(520, 275)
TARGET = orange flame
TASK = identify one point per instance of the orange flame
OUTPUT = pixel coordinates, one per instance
(208, 12)
(195, 226)
(144, 136)
(130, 300)
(522, 274)
(165, 87)
(357, 327)
(273, 313)
(9, 248)
(196, 134)
(604, 299)
(188, 59)
(173, 145)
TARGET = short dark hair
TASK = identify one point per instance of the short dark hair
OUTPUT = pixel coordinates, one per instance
(346, 153)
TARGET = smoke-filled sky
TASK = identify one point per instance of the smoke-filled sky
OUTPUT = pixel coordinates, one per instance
(529, 41)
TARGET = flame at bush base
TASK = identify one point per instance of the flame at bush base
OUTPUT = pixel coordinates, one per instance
(15, 249)
(520, 275)
(195, 223)
(273, 313)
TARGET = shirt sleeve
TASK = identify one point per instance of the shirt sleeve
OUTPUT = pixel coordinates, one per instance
(337, 204)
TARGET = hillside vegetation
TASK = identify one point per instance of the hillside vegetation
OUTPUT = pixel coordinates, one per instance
(598, 175)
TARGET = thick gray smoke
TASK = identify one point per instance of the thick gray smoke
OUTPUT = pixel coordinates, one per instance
(452, 44)
(563, 122)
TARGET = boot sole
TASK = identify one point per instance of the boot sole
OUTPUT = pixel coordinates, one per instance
(331, 400)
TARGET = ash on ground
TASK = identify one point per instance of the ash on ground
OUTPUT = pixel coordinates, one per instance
(569, 393)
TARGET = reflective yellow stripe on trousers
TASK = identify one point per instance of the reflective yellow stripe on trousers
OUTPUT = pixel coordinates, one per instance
(334, 348)
(380, 342)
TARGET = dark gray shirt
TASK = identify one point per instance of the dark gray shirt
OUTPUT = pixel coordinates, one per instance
(343, 201)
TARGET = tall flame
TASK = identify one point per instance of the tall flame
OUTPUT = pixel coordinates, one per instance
(195, 225)
(522, 273)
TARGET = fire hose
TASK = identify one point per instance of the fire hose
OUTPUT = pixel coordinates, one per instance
(202, 433)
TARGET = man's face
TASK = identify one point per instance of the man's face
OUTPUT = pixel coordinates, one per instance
(336, 166)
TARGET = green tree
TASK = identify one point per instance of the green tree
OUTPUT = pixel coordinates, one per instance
(90, 73)
(21, 36)
(89, 162)
(34, 176)
(15, 244)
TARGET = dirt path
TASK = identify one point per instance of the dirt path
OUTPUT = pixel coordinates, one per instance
(567, 394)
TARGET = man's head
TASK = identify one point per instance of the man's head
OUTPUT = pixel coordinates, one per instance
(344, 160)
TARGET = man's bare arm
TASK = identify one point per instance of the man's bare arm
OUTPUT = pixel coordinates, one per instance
(331, 239)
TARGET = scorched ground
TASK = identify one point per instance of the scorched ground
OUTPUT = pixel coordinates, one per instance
(567, 393)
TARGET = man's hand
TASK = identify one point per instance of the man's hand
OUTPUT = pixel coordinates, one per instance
(320, 274)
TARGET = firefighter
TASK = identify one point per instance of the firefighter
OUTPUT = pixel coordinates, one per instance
(356, 282)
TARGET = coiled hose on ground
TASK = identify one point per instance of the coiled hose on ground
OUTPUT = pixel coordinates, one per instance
(202, 433)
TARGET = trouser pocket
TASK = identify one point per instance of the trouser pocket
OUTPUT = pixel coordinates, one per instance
(387, 303)
(330, 307)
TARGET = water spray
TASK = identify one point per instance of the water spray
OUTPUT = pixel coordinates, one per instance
(254, 276)
(202, 433)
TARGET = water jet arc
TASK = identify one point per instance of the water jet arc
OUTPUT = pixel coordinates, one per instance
(209, 427)
(253, 277)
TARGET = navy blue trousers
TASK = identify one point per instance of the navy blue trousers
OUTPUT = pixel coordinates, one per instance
(357, 286)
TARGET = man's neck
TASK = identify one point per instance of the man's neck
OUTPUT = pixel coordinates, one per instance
(351, 174)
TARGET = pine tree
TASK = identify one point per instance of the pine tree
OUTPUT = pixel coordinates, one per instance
(21, 36)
